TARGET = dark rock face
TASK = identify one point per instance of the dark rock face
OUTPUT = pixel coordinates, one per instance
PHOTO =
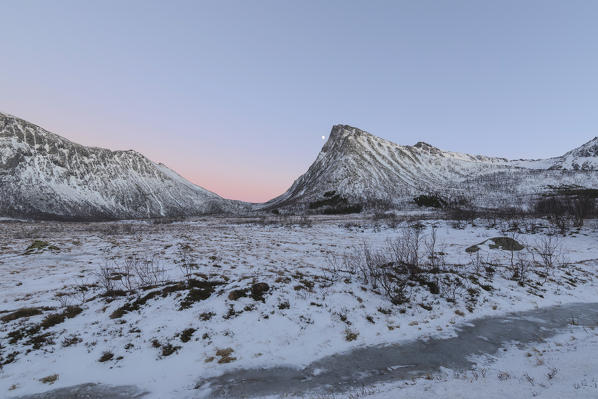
(45, 176)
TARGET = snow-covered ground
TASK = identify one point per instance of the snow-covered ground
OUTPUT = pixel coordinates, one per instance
(184, 328)
(563, 367)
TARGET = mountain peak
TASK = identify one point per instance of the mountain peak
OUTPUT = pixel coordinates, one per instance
(339, 131)
(339, 134)
(425, 146)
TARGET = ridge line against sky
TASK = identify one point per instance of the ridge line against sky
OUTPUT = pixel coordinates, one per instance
(236, 96)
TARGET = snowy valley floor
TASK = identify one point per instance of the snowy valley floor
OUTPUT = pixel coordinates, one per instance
(167, 306)
(563, 367)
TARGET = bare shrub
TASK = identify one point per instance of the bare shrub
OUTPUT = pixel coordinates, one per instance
(81, 293)
(393, 268)
(132, 273)
(105, 278)
(562, 223)
(452, 288)
(64, 300)
(435, 255)
(476, 262)
(394, 281)
(521, 268)
(549, 250)
(362, 261)
(513, 234)
(406, 249)
(335, 267)
(149, 271)
(125, 271)
(186, 264)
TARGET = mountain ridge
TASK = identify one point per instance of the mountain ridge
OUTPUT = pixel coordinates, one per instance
(362, 168)
(44, 175)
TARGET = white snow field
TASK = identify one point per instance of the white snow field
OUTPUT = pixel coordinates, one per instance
(163, 306)
(564, 367)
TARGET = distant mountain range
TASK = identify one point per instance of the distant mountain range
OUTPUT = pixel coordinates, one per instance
(45, 176)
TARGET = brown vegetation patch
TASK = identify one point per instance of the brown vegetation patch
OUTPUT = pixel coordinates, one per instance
(105, 357)
(187, 334)
(51, 379)
(20, 313)
(198, 290)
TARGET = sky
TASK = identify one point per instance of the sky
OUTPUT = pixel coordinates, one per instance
(236, 95)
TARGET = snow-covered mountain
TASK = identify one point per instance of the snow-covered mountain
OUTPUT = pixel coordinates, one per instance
(43, 175)
(583, 158)
(355, 168)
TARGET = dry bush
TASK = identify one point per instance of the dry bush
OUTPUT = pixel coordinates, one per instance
(125, 271)
(105, 278)
(186, 263)
(549, 250)
(410, 257)
(132, 273)
(149, 271)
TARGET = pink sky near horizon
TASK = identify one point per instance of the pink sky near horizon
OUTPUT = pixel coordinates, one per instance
(239, 189)
(234, 176)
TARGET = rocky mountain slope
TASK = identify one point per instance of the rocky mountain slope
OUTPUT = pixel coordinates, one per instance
(43, 175)
(356, 169)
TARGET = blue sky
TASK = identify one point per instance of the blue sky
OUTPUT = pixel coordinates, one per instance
(235, 95)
